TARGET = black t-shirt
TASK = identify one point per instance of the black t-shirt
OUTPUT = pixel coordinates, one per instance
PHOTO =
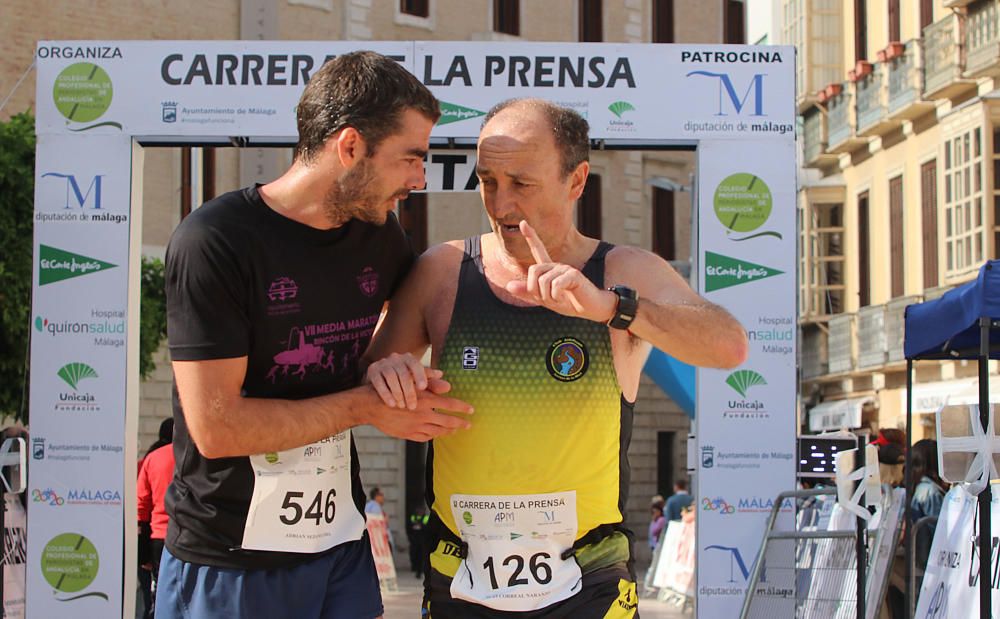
(301, 304)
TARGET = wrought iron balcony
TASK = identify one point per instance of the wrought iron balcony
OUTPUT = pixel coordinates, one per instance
(841, 344)
(895, 326)
(814, 356)
(839, 121)
(814, 138)
(905, 83)
(871, 111)
(943, 60)
(982, 39)
(872, 349)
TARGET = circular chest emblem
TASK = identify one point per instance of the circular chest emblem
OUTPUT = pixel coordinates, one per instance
(567, 359)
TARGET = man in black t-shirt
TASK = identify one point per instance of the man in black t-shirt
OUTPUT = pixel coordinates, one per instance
(273, 293)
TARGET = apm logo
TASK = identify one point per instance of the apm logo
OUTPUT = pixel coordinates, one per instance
(753, 95)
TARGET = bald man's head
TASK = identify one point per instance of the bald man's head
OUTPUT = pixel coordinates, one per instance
(569, 130)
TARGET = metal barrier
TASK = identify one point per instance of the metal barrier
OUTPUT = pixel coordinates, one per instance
(811, 572)
(796, 557)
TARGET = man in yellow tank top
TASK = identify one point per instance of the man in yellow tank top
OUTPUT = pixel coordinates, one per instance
(545, 332)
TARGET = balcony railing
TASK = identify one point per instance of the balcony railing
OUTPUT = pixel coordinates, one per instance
(982, 38)
(812, 136)
(943, 61)
(871, 336)
(839, 120)
(814, 353)
(870, 108)
(895, 328)
(841, 343)
(904, 78)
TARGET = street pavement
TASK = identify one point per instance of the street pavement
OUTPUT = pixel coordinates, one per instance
(405, 603)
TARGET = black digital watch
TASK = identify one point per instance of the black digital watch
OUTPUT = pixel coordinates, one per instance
(628, 304)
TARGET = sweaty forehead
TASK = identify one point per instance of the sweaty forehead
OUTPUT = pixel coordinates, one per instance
(512, 136)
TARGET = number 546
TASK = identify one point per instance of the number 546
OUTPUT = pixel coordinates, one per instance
(318, 510)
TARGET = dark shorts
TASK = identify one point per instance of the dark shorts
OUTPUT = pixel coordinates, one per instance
(609, 593)
(341, 584)
(608, 589)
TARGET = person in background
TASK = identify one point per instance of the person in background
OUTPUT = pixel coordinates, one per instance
(891, 458)
(890, 464)
(165, 436)
(890, 435)
(416, 529)
(375, 506)
(678, 501)
(927, 496)
(375, 502)
(156, 470)
(657, 523)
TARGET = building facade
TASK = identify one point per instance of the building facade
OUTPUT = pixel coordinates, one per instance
(899, 193)
(636, 198)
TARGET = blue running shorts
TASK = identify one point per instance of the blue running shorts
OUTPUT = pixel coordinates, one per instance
(341, 584)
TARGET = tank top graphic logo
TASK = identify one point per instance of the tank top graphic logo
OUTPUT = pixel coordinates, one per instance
(368, 281)
(567, 359)
(470, 358)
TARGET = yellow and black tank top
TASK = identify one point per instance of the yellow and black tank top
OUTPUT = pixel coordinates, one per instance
(550, 416)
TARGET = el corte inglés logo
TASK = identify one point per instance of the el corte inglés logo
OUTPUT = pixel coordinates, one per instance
(723, 271)
(55, 265)
(452, 113)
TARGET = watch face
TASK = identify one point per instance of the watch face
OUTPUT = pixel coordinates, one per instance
(624, 292)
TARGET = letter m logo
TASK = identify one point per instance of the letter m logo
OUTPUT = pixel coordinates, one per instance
(76, 198)
(754, 93)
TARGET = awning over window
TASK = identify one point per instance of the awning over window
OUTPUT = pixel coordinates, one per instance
(929, 397)
(837, 414)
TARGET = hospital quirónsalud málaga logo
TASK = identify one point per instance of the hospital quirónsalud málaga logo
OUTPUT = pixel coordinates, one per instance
(743, 204)
(82, 93)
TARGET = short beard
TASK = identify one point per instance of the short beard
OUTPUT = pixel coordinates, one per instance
(354, 197)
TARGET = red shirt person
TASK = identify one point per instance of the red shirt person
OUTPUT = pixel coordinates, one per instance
(154, 476)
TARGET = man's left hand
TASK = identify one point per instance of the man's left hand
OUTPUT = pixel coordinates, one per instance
(560, 287)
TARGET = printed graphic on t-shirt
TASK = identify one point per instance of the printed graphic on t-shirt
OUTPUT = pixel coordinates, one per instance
(332, 347)
(368, 281)
(281, 297)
